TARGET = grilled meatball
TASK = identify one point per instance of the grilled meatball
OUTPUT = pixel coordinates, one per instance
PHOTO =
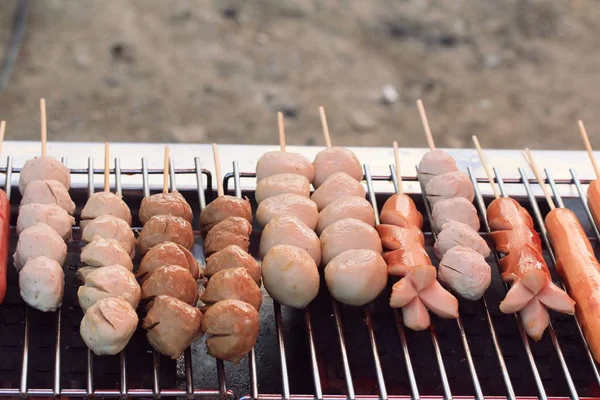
(466, 272)
(280, 184)
(290, 275)
(232, 283)
(165, 228)
(108, 325)
(102, 252)
(108, 281)
(172, 325)
(450, 185)
(49, 214)
(224, 207)
(280, 162)
(167, 253)
(233, 329)
(435, 162)
(232, 256)
(346, 207)
(42, 283)
(171, 280)
(288, 205)
(39, 240)
(44, 168)
(233, 230)
(456, 233)
(292, 231)
(456, 209)
(346, 234)
(356, 277)
(48, 192)
(110, 227)
(165, 204)
(337, 186)
(336, 159)
(105, 203)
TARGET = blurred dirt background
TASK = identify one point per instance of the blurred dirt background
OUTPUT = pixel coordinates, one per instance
(516, 72)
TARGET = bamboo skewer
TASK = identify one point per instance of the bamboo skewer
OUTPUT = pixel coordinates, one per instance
(218, 175)
(281, 131)
(397, 165)
(106, 167)
(166, 170)
(529, 158)
(325, 126)
(588, 147)
(486, 167)
(425, 123)
(44, 131)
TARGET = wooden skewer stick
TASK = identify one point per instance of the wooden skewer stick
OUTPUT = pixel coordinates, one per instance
(44, 132)
(397, 164)
(425, 123)
(2, 130)
(106, 167)
(281, 131)
(325, 126)
(588, 147)
(529, 158)
(486, 167)
(166, 170)
(218, 176)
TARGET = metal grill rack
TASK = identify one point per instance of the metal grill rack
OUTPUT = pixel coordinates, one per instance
(328, 351)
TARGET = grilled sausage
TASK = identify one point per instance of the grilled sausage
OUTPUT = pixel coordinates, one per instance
(593, 198)
(4, 241)
(400, 210)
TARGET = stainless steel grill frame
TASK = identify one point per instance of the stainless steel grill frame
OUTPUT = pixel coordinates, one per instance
(189, 389)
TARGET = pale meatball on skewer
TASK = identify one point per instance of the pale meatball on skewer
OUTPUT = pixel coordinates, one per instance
(42, 283)
(336, 159)
(165, 228)
(338, 185)
(171, 280)
(434, 163)
(288, 204)
(108, 281)
(232, 256)
(102, 252)
(450, 185)
(39, 240)
(290, 275)
(281, 162)
(466, 272)
(233, 230)
(456, 233)
(172, 325)
(292, 231)
(222, 208)
(232, 283)
(347, 234)
(110, 227)
(108, 325)
(167, 253)
(346, 207)
(104, 203)
(165, 204)
(456, 209)
(49, 214)
(281, 184)
(356, 277)
(44, 168)
(48, 192)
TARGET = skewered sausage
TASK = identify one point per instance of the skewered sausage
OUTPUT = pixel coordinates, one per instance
(165, 204)
(233, 230)
(401, 261)
(232, 256)
(336, 159)
(165, 228)
(172, 325)
(167, 253)
(44, 168)
(450, 185)
(593, 198)
(48, 192)
(232, 283)
(42, 283)
(346, 234)
(394, 237)
(4, 241)
(224, 207)
(280, 184)
(465, 271)
(171, 280)
(435, 162)
(108, 281)
(288, 204)
(102, 252)
(400, 210)
(336, 186)
(456, 233)
(105, 203)
(344, 207)
(457, 209)
(290, 275)
(108, 325)
(49, 214)
(356, 276)
(292, 231)
(280, 162)
(39, 240)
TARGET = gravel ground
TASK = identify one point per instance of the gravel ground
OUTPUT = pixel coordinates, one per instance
(201, 71)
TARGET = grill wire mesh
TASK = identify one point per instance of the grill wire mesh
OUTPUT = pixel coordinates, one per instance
(328, 350)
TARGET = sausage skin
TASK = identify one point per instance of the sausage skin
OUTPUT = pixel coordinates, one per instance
(4, 241)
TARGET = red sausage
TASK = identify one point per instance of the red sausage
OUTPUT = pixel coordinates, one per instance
(4, 241)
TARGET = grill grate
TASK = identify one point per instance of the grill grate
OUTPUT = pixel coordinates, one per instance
(375, 357)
